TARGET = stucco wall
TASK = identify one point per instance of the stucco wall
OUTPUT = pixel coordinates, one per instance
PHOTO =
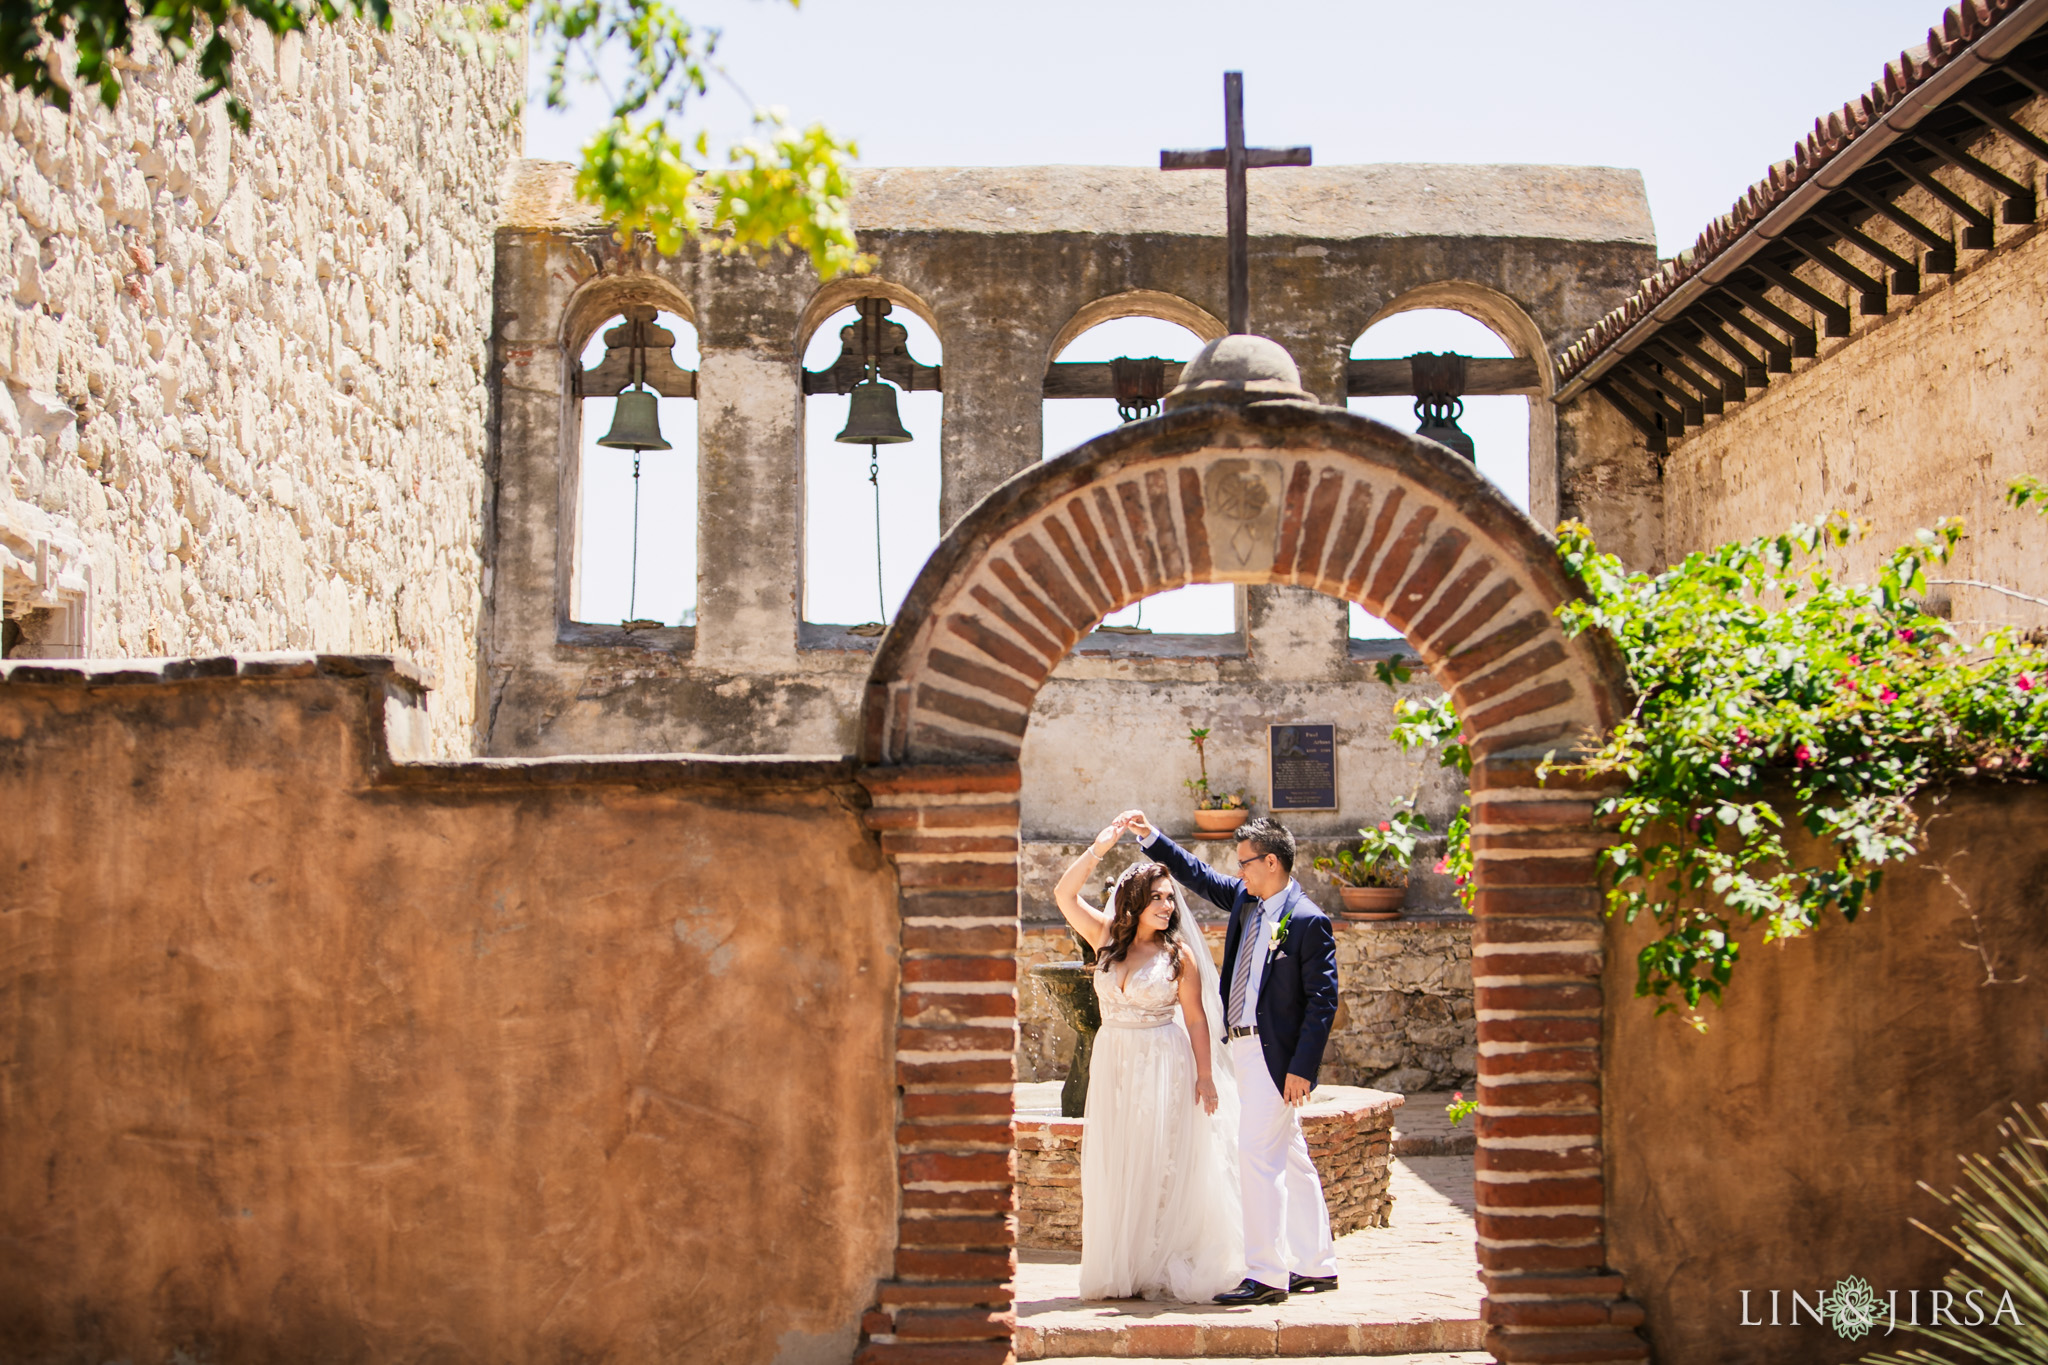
(1780, 1148)
(1927, 413)
(309, 1057)
(244, 394)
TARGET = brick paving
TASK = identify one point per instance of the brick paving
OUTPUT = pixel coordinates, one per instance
(1408, 1288)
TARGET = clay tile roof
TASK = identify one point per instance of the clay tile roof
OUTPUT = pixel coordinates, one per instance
(1961, 25)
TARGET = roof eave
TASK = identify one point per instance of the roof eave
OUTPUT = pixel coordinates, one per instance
(1989, 49)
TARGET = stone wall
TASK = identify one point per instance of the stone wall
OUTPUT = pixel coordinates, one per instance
(1781, 1147)
(313, 1055)
(1350, 1136)
(1404, 1015)
(244, 399)
(1928, 412)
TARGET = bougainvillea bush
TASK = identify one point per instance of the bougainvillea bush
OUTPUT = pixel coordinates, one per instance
(1764, 683)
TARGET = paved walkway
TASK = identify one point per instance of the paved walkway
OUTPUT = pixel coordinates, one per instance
(1409, 1288)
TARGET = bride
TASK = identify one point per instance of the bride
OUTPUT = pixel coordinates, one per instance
(1159, 1193)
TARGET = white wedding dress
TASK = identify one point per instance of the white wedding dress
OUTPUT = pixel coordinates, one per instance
(1160, 1211)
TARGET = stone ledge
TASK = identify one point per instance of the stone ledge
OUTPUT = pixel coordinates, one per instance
(1350, 1137)
(253, 666)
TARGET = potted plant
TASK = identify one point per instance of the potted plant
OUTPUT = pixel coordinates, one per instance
(1216, 813)
(1373, 878)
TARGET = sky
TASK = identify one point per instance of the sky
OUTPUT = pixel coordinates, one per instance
(1700, 99)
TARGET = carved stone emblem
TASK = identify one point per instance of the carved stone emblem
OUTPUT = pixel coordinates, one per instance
(1242, 499)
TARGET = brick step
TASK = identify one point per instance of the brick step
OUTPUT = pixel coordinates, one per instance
(1262, 1334)
(1415, 1358)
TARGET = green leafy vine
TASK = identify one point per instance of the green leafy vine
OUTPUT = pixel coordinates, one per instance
(1765, 682)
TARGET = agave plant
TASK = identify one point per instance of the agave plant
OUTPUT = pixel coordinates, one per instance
(2002, 1238)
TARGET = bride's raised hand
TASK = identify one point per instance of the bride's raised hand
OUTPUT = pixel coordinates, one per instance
(1205, 1094)
(1107, 839)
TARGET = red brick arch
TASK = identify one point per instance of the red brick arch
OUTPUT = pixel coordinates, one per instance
(1286, 493)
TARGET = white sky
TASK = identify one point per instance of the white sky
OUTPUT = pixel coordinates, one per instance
(1700, 99)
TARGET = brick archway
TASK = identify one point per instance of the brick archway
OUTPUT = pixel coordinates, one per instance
(1285, 493)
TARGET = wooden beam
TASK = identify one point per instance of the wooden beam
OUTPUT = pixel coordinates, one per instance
(1905, 274)
(1756, 369)
(1665, 354)
(1976, 222)
(1777, 351)
(2020, 204)
(1754, 299)
(1376, 378)
(1941, 252)
(1090, 378)
(1869, 290)
(1732, 385)
(1392, 378)
(1834, 315)
(1647, 425)
(1643, 369)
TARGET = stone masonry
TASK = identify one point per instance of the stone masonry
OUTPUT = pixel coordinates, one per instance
(1350, 1137)
(1404, 1015)
(243, 402)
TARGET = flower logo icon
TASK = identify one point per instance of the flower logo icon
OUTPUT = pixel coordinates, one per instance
(1852, 1308)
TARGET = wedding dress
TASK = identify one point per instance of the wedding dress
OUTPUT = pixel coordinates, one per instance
(1160, 1212)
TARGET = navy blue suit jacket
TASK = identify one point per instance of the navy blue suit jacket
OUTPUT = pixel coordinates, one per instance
(1298, 993)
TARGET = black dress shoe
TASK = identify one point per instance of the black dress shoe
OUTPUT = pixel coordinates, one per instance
(1311, 1284)
(1251, 1292)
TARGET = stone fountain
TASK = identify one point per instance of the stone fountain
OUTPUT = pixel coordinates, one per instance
(1072, 988)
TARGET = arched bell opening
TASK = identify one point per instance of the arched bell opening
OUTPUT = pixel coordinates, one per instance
(1445, 374)
(1112, 372)
(635, 558)
(871, 464)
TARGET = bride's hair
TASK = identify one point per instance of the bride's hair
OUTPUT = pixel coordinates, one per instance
(1133, 890)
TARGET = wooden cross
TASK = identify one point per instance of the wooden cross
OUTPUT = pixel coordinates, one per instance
(1234, 159)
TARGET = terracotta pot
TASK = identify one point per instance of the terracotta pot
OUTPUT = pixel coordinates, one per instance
(1373, 902)
(1220, 821)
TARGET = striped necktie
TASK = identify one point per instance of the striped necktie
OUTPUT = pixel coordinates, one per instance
(1241, 979)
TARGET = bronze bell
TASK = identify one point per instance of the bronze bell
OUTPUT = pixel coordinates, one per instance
(871, 418)
(636, 423)
(1440, 424)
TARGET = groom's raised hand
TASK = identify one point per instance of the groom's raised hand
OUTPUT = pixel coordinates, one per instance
(1135, 821)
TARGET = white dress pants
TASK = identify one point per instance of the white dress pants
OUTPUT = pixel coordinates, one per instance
(1286, 1223)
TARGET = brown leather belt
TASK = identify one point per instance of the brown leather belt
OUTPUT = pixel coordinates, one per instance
(1244, 1031)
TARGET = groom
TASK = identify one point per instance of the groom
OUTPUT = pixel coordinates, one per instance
(1280, 984)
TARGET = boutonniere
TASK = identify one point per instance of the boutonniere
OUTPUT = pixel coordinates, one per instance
(1280, 929)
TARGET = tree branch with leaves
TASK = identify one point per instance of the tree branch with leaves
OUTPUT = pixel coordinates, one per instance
(784, 189)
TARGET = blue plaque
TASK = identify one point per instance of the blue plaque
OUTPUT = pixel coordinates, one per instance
(1302, 767)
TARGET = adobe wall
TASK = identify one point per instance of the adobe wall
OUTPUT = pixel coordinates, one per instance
(310, 1056)
(244, 395)
(1780, 1148)
(1929, 412)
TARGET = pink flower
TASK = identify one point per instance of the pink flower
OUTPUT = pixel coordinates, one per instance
(1803, 755)
(1907, 635)
(2023, 683)
(1457, 1094)
(1887, 695)
(1385, 825)
(1855, 661)
(1443, 865)
(1741, 735)
(1726, 758)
